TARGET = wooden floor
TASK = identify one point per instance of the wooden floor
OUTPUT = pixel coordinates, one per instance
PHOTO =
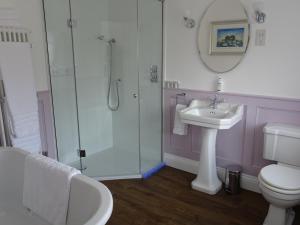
(167, 199)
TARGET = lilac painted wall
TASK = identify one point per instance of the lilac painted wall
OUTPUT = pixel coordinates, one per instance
(46, 123)
(243, 144)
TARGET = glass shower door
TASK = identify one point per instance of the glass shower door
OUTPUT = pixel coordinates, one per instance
(150, 84)
(60, 51)
(105, 41)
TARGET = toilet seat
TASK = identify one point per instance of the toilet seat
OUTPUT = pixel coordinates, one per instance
(281, 179)
(280, 193)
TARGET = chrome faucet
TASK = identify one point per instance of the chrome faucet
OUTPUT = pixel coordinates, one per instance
(215, 101)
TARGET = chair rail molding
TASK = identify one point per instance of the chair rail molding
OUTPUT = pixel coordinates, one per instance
(242, 144)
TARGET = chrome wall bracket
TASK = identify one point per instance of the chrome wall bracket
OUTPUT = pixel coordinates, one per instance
(71, 23)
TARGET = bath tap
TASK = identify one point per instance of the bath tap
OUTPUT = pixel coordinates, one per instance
(215, 101)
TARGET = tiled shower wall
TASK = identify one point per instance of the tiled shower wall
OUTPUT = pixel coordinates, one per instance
(243, 144)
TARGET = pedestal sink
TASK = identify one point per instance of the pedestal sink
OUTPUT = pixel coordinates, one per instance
(211, 118)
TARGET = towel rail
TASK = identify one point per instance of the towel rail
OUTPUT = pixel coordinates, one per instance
(181, 95)
(5, 128)
(2, 128)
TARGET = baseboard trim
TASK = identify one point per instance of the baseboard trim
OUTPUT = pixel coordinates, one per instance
(248, 182)
(125, 177)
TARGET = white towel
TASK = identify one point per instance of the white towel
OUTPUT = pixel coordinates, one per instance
(26, 124)
(17, 74)
(29, 143)
(47, 187)
(179, 127)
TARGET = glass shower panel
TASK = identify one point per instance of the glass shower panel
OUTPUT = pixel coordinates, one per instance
(150, 64)
(62, 79)
(105, 41)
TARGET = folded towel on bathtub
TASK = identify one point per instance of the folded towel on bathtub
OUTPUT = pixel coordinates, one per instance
(47, 187)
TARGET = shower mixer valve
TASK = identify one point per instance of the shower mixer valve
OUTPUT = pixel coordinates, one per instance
(154, 73)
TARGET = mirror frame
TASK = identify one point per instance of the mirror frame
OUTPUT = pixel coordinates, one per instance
(198, 34)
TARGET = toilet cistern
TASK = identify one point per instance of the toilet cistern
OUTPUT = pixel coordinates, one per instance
(280, 183)
(211, 117)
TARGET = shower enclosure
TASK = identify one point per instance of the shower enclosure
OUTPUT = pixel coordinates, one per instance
(105, 61)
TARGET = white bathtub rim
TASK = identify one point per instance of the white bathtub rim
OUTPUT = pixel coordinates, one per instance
(12, 149)
(103, 213)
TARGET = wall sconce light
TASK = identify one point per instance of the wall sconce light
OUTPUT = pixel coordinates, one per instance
(260, 16)
(189, 22)
(258, 7)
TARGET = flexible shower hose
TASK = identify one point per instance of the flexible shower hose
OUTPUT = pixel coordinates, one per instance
(110, 83)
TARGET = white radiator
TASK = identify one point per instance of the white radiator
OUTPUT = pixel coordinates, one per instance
(14, 34)
(9, 34)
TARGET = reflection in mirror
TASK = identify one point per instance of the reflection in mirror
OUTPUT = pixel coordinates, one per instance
(223, 35)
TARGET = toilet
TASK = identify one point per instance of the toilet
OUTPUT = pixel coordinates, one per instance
(280, 183)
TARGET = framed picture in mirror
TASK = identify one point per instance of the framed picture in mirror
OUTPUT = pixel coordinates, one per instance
(229, 37)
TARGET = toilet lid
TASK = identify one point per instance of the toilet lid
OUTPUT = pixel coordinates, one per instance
(282, 177)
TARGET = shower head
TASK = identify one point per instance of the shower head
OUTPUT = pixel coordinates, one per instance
(110, 41)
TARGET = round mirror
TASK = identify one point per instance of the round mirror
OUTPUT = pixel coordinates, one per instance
(223, 35)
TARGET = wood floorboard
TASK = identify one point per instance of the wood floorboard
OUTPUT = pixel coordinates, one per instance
(167, 199)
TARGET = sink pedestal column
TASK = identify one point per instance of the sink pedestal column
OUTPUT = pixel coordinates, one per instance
(207, 180)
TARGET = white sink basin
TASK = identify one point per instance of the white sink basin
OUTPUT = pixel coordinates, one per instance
(200, 113)
(210, 119)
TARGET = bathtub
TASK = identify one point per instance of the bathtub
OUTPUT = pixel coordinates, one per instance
(90, 202)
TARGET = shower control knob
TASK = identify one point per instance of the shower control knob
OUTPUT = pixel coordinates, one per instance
(134, 95)
(154, 74)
